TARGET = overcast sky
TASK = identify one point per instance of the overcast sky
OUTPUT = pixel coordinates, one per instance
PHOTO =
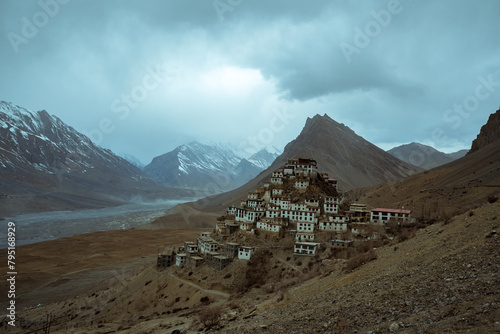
(143, 77)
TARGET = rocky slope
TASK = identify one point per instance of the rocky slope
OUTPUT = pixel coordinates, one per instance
(490, 133)
(424, 156)
(47, 165)
(445, 280)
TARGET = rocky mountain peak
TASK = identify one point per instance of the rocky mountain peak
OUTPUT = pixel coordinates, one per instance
(346, 155)
(490, 132)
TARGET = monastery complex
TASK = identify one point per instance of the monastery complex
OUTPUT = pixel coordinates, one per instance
(299, 202)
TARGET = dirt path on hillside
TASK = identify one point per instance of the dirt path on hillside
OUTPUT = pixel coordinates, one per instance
(196, 286)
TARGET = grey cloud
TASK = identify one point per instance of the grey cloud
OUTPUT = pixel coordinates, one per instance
(427, 58)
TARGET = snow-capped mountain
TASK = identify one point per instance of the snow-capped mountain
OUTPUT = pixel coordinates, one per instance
(47, 165)
(214, 167)
(45, 143)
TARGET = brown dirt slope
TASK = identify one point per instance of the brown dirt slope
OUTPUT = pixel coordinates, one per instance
(444, 280)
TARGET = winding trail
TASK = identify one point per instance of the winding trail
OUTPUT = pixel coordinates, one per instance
(196, 286)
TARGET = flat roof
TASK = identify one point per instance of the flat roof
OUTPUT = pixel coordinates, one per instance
(307, 243)
(391, 210)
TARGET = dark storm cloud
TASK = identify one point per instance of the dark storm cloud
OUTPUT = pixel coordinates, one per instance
(393, 70)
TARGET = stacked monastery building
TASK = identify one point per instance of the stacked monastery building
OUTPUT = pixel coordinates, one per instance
(298, 201)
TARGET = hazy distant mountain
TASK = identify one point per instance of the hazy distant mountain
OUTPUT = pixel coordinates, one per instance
(133, 160)
(424, 156)
(214, 167)
(490, 132)
(457, 155)
(47, 165)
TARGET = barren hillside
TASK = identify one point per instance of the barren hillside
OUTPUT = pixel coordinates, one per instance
(445, 279)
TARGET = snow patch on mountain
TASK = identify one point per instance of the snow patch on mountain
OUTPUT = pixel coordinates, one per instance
(46, 144)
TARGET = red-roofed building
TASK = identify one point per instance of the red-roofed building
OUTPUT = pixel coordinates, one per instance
(382, 215)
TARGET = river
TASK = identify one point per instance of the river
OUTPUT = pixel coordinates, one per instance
(43, 226)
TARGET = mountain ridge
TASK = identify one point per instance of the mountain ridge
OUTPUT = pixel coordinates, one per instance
(424, 156)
